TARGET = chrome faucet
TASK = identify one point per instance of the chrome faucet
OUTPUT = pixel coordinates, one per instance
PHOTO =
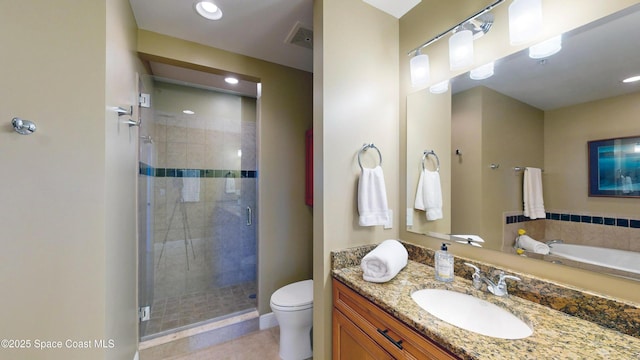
(551, 242)
(499, 288)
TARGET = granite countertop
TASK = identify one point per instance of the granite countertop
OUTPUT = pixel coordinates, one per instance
(556, 335)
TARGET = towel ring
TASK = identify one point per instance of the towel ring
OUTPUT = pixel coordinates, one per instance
(364, 148)
(424, 157)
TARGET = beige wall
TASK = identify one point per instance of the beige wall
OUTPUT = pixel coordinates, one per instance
(285, 222)
(567, 132)
(422, 137)
(121, 168)
(355, 102)
(491, 128)
(68, 214)
(466, 170)
(520, 128)
(431, 17)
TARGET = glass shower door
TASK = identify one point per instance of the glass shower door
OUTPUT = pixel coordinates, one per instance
(202, 206)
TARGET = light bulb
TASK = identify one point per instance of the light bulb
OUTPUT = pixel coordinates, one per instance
(461, 50)
(482, 72)
(546, 48)
(440, 87)
(525, 21)
(419, 68)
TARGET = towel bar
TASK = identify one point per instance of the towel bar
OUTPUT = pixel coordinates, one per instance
(522, 168)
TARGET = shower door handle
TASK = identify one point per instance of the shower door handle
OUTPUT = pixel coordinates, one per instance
(249, 216)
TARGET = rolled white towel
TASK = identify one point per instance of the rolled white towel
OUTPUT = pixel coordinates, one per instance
(384, 262)
(529, 244)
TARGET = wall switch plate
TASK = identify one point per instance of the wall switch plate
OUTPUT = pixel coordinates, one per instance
(389, 223)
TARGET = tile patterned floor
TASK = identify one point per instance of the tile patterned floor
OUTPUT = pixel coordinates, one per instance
(178, 311)
(262, 345)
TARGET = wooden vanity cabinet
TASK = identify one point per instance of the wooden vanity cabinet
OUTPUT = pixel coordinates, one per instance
(362, 330)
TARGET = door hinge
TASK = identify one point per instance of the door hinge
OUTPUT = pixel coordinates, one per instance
(144, 100)
(144, 313)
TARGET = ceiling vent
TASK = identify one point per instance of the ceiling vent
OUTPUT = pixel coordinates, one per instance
(301, 36)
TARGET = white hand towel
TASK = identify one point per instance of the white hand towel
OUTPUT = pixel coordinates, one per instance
(429, 195)
(532, 194)
(384, 262)
(190, 189)
(529, 244)
(372, 198)
(230, 185)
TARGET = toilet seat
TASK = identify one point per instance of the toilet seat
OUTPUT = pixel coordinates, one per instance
(293, 297)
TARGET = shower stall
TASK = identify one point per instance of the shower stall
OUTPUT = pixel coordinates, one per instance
(197, 196)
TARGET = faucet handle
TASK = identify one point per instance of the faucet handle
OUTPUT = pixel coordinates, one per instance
(502, 284)
(503, 277)
(477, 282)
(474, 267)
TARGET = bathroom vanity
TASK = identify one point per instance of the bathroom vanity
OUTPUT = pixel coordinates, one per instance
(363, 330)
(382, 321)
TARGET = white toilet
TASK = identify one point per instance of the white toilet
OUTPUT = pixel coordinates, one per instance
(293, 307)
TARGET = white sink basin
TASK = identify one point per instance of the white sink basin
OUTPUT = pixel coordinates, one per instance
(472, 314)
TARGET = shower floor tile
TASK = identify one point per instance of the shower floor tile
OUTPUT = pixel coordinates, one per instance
(178, 311)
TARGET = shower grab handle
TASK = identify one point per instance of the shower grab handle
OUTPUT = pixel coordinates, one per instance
(249, 216)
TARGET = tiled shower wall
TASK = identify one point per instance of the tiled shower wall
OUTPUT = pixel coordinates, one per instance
(189, 148)
(602, 230)
(209, 160)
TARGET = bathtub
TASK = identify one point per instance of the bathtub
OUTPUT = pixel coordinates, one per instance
(628, 261)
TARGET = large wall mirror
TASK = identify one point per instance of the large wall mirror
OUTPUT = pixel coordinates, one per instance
(535, 113)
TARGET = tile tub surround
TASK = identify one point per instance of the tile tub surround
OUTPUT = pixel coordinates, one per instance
(556, 335)
(619, 315)
(621, 233)
(601, 230)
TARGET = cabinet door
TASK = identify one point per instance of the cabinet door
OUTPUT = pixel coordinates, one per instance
(397, 339)
(351, 343)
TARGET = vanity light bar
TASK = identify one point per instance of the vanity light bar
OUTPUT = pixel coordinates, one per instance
(441, 35)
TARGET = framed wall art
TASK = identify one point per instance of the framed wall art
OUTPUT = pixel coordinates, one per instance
(614, 167)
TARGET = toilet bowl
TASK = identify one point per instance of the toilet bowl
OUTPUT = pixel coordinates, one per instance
(293, 307)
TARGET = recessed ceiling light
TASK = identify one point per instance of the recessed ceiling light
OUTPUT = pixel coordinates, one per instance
(631, 79)
(188, 112)
(231, 80)
(208, 10)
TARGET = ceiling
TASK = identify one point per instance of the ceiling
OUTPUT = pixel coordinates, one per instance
(262, 28)
(255, 28)
(592, 63)
(278, 31)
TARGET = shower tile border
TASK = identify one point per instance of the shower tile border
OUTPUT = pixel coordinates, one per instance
(148, 170)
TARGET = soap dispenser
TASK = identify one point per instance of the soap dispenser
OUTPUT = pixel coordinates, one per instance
(444, 264)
